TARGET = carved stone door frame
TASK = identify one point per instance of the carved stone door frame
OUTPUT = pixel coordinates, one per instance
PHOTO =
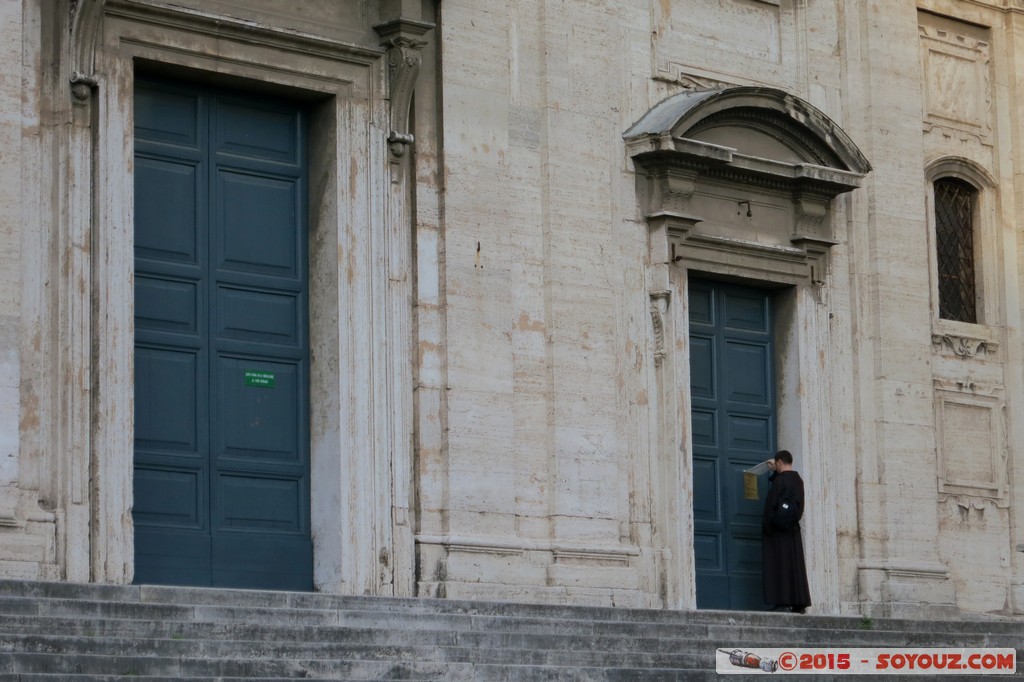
(739, 183)
(360, 291)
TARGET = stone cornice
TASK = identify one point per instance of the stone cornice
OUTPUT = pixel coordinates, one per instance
(907, 567)
(675, 168)
(504, 545)
(811, 133)
(766, 252)
(723, 163)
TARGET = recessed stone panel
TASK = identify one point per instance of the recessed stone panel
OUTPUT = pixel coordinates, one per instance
(971, 442)
(956, 65)
(724, 41)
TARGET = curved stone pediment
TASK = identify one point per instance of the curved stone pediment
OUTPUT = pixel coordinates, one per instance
(741, 180)
(759, 122)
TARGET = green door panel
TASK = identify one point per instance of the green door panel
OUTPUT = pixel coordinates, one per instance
(732, 422)
(221, 464)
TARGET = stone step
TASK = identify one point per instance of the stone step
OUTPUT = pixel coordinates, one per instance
(68, 666)
(507, 635)
(90, 632)
(687, 654)
(779, 627)
(182, 668)
(64, 677)
(186, 597)
(245, 649)
(490, 673)
(702, 660)
(668, 640)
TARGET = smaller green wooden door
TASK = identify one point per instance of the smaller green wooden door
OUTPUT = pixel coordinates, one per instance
(733, 425)
(221, 465)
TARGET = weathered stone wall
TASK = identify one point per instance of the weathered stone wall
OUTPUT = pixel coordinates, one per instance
(549, 350)
(546, 325)
(544, 261)
(969, 61)
(27, 543)
(10, 238)
(505, 387)
(10, 246)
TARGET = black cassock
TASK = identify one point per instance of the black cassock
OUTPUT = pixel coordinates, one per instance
(785, 575)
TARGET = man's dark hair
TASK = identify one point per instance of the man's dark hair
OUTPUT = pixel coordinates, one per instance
(785, 456)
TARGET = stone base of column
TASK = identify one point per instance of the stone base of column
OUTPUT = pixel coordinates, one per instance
(907, 589)
(1016, 605)
(27, 537)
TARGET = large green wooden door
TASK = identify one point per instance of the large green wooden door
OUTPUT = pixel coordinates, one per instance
(733, 424)
(221, 465)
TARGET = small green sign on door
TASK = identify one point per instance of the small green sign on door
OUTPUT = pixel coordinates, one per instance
(256, 378)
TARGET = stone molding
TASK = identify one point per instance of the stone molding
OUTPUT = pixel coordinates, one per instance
(502, 545)
(907, 568)
(969, 501)
(962, 168)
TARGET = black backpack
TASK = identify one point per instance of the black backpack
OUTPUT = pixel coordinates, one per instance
(787, 512)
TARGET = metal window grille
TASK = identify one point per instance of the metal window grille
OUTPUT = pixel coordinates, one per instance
(954, 232)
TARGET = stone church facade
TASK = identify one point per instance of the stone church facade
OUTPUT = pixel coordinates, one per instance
(497, 300)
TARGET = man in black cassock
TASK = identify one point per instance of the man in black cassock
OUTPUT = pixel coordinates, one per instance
(785, 576)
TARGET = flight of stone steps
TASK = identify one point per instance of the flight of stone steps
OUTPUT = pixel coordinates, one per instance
(60, 631)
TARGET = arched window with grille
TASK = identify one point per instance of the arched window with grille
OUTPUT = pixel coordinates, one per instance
(955, 208)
